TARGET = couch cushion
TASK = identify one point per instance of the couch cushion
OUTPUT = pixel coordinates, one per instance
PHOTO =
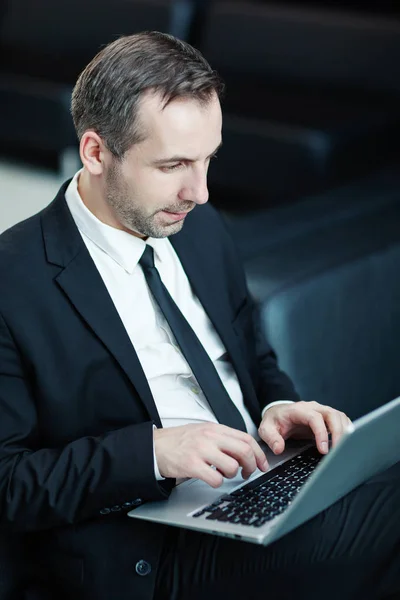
(330, 306)
(337, 333)
(256, 232)
(282, 141)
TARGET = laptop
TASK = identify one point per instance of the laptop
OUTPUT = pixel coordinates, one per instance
(299, 484)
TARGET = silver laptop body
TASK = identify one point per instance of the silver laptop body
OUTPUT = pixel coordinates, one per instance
(371, 446)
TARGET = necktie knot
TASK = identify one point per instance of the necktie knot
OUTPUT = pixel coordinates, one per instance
(147, 259)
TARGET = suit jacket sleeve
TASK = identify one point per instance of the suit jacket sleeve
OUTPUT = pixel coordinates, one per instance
(270, 382)
(45, 487)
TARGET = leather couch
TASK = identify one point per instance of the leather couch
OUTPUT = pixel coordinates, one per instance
(328, 291)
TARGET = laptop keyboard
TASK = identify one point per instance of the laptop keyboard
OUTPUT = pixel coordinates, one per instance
(267, 496)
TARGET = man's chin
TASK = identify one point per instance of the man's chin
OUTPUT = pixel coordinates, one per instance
(171, 229)
(176, 227)
(167, 226)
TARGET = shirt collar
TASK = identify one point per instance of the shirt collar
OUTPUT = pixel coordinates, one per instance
(124, 248)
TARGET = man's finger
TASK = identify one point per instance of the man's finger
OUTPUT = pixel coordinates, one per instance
(209, 475)
(316, 422)
(336, 425)
(269, 433)
(242, 452)
(260, 457)
(341, 423)
(225, 463)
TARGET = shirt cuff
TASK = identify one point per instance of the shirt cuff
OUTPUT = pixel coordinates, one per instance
(157, 473)
(264, 410)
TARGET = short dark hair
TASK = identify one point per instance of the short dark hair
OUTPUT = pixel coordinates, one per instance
(107, 94)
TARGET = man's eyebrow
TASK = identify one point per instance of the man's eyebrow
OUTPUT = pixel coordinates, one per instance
(172, 159)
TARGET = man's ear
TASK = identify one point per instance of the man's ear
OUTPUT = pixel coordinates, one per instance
(93, 152)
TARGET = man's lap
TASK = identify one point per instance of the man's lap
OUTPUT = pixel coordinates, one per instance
(357, 534)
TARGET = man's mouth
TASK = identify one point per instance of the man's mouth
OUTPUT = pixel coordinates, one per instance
(175, 216)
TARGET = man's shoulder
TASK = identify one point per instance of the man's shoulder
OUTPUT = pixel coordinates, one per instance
(20, 244)
(24, 241)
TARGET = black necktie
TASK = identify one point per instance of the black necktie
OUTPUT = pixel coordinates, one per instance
(195, 354)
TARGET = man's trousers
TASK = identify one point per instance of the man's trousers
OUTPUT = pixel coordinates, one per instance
(350, 551)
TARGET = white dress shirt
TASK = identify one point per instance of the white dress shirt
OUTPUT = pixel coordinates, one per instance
(116, 253)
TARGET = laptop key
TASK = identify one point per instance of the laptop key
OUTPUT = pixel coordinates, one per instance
(214, 516)
(199, 513)
(267, 496)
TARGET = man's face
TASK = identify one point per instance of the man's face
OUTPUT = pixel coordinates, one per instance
(162, 178)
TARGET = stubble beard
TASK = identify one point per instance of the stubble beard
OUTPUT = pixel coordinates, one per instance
(132, 215)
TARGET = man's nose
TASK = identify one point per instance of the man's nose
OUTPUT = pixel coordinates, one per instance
(196, 188)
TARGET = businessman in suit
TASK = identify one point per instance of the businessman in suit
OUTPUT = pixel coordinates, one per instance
(121, 302)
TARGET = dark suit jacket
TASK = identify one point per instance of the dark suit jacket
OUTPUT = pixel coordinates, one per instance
(76, 411)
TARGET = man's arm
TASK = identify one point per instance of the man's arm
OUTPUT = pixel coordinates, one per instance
(270, 382)
(46, 487)
(273, 384)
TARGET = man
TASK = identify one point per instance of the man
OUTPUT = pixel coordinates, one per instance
(100, 405)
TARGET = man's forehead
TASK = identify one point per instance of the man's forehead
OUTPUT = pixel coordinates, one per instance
(182, 125)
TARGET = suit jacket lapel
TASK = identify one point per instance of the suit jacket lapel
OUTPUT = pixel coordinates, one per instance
(82, 283)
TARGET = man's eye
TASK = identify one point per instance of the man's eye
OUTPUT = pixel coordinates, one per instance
(170, 168)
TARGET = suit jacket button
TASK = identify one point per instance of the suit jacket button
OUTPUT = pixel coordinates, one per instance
(143, 568)
(105, 511)
(136, 502)
(116, 508)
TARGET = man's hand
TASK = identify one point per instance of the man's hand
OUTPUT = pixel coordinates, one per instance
(193, 451)
(302, 420)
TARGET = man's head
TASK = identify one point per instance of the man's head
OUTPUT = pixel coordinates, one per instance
(147, 112)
